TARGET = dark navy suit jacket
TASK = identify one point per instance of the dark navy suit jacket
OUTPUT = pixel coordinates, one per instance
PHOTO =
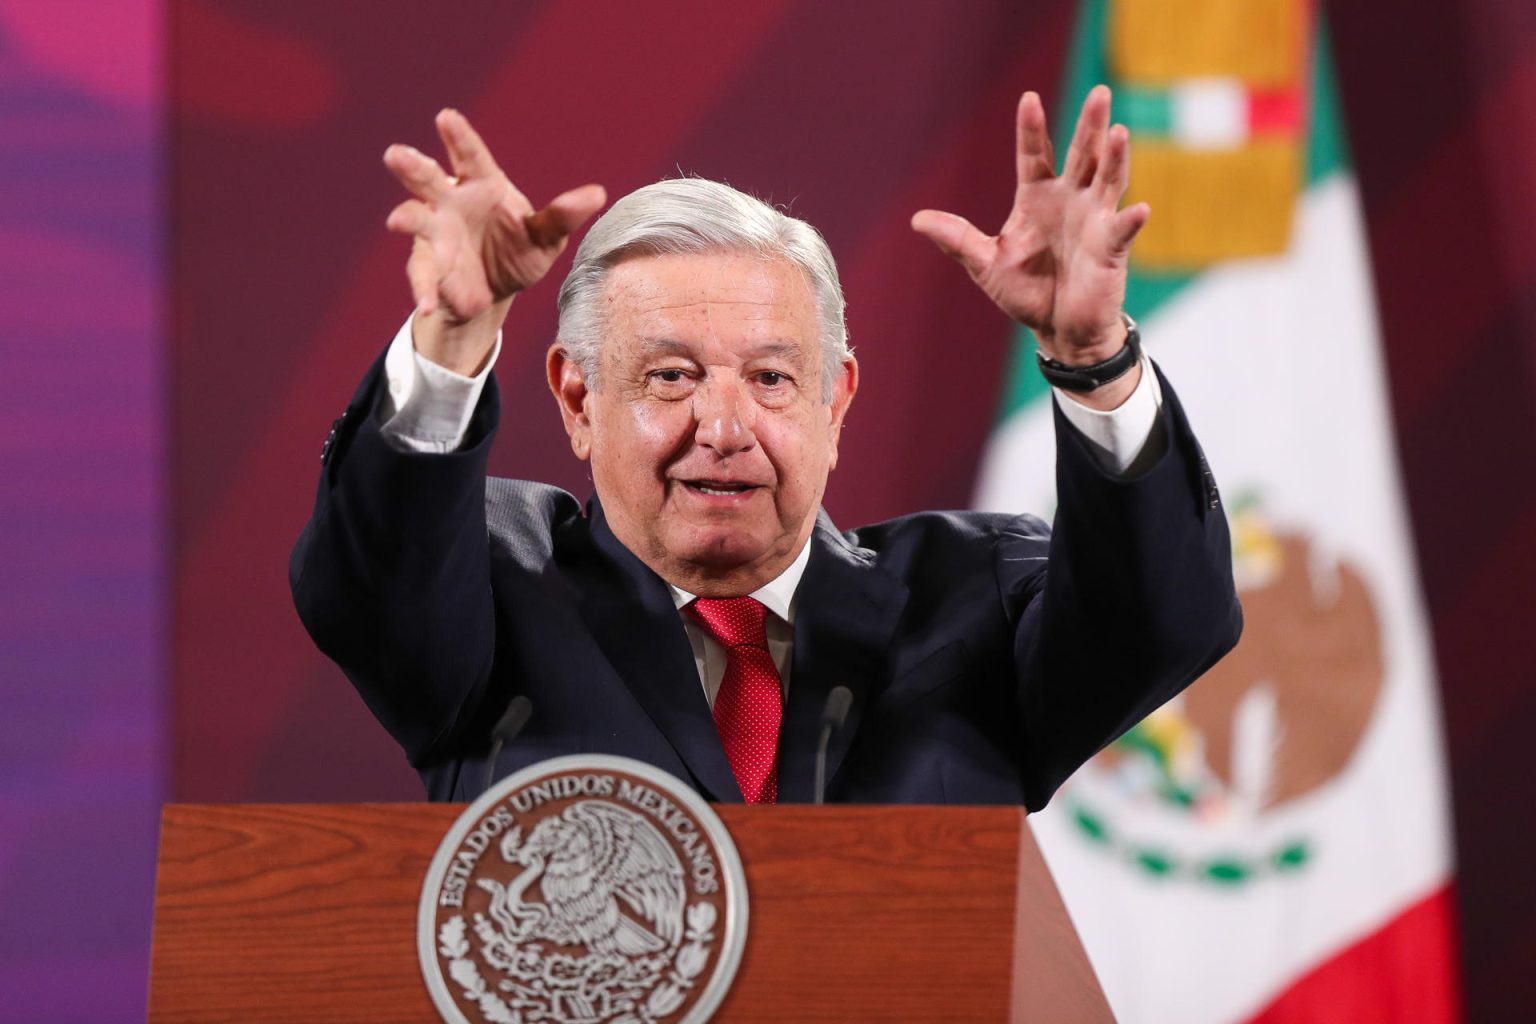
(988, 655)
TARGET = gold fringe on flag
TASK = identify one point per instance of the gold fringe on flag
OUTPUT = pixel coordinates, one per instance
(1210, 206)
(1158, 42)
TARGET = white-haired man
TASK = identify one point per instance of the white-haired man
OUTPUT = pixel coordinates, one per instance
(701, 607)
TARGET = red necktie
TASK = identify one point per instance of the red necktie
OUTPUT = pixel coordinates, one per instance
(750, 703)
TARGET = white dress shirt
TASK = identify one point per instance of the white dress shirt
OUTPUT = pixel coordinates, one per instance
(429, 409)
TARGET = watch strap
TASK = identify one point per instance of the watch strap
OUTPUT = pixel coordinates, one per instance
(1091, 378)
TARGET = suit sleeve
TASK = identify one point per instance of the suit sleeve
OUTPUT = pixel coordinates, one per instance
(391, 575)
(1137, 601)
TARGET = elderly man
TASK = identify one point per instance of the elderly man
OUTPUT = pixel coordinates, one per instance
(697, 612)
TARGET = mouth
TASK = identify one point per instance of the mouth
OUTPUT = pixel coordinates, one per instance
(720, 488)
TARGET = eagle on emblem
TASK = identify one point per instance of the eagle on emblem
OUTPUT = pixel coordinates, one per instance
(592, 861)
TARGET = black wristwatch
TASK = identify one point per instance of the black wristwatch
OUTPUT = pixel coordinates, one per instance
(1091, 378)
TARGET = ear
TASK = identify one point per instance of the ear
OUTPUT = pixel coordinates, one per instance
(843, 389)
(570, 390)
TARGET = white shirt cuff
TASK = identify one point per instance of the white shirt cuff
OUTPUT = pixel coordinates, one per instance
(1121, 437)
(428, 407)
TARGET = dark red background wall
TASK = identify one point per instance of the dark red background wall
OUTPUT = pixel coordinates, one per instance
(285, 286)
(1441, 101)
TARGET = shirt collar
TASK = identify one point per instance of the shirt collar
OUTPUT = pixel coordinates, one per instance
(777, 595)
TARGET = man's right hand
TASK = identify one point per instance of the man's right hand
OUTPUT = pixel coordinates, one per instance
(478, 242)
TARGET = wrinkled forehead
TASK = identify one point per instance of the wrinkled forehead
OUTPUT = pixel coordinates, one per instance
(683, 294)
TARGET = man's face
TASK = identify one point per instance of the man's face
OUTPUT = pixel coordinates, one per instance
(709, 440)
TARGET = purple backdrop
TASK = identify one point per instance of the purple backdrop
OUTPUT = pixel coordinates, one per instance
(82, 575)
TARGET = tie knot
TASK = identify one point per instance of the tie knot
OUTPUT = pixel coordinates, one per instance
(734, 621)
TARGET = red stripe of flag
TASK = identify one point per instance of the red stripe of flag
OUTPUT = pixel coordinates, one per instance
(1404, 973)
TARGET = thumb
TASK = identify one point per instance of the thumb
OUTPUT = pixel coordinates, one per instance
(1125, 226)
(421, 271)
(564, 214)
(957, 237)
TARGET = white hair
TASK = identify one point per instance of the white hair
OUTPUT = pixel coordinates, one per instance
(695, 215)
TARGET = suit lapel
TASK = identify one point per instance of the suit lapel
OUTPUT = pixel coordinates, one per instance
(629, 609)
(846, 612)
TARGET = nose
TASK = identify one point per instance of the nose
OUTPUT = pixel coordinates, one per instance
(723, 417)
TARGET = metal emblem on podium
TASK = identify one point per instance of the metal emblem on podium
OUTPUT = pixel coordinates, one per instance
(583, 890)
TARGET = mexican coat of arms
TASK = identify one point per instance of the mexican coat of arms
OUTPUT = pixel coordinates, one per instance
(583, 890)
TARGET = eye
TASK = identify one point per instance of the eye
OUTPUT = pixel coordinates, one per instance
(772, 378)
(669, 382)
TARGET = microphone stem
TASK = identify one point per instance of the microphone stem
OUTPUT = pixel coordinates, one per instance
(821, 763)
(490, 762)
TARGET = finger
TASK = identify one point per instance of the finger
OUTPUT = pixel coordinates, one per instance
(564, 214)
(957, 237)
(1086, 151)
(418, 172)
(1124, 227)
(1115, 171)
(470, 156)
(1035, 160)
(421, 271)
(412, 217)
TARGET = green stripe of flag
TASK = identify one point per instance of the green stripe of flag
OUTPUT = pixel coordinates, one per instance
(1146, 112)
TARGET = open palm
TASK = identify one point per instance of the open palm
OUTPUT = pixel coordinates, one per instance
(478, 240)
(1058, 265)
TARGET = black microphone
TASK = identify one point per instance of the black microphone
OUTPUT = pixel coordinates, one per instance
(833, 714)
(512, 721)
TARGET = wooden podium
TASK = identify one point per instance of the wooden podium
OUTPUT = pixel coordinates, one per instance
(307, 913)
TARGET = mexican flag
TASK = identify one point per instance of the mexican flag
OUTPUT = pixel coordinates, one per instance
(1275, 844)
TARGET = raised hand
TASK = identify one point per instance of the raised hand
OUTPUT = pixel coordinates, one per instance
(478, 241)
(1059, 263)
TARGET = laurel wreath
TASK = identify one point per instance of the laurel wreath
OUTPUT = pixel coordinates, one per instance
(664, 999)
(453, 945)
(691, 958)
(1230, 870)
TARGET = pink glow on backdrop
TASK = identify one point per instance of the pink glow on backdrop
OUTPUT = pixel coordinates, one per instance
(109, 50)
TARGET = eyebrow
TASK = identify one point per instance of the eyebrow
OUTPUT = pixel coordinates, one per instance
(664, 345)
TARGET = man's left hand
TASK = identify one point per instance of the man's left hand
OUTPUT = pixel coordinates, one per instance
(1059, 263)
